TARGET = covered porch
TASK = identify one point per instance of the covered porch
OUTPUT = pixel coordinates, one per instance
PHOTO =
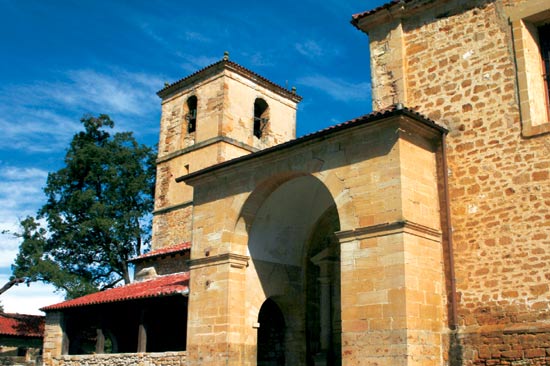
(144, 320)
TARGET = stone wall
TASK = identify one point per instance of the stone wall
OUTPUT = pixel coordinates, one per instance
(519, 345)
(224, 130)
(461, 73)
(124, 359)
(53, 337)
(393, 303)
(459, 69)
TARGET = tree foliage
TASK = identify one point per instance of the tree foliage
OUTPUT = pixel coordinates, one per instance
(95, 217)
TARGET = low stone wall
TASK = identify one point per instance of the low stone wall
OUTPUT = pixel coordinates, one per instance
(124, 359)
(497, 345)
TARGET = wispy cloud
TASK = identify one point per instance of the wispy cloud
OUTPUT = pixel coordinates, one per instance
(259, 59)
(194, 63)
(196, 36)
(310, 49)
(20, 195)
(121, 92)
(338, 89)
(41, 116)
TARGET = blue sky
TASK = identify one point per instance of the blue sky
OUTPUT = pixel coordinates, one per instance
(61, 59)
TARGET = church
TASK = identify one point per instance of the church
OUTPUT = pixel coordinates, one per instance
(418, 234)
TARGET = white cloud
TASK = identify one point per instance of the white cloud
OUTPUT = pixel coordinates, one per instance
(310, 49)
(20, 195)
(259, 59)
(337, 88)
(25, 299)
(196, 36)
(42, 116)
(122, 92)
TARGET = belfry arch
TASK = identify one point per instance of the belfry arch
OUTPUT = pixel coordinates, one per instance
(294, 257)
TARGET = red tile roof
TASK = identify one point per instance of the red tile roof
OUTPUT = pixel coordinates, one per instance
(21, 325)
(226, 64)
(157, 287)
(163, 252)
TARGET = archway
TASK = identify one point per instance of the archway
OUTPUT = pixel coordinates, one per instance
(271, 334)
(296, 259)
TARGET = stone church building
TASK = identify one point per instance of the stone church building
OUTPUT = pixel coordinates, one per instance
(418, 234)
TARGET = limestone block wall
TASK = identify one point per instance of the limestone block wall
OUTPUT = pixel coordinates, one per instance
(224, 130)
(460, 70)
(393, 288)
(238, 113)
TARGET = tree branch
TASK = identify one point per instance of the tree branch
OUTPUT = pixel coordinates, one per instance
(10, 284)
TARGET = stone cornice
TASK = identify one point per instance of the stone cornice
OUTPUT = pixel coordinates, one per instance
(205, 143)
(234, 260)
(390, 228)
(398, 115)
(179, 206)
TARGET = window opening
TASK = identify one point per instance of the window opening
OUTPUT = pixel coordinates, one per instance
(261, 116)
(191, 115)
(544, 43)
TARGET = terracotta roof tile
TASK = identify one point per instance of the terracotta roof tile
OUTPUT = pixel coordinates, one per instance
(157, 287)
(163, 252)
(21, 325)
(223, 63)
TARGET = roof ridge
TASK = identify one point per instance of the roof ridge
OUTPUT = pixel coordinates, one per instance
(226, 62)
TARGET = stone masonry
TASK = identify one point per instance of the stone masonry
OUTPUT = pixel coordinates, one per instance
(416, 235)
(456, 62)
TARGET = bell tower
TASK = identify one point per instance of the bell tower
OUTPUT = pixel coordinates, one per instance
(213, 115)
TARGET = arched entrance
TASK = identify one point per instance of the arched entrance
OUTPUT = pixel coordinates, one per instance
(296, 259)
(271, 335)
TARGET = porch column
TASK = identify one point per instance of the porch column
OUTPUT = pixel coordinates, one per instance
(55, 343)
(142, 334)
(325, 263)
(100, 341)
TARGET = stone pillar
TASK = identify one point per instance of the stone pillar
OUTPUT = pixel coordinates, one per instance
(324, 260)
(217, 311)
(393, 291)
(325, 312)
(53, 338)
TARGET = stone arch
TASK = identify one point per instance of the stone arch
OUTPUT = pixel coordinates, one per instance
(332, 182)
(289, 224)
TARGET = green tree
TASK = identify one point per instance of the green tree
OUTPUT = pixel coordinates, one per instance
(96, 216)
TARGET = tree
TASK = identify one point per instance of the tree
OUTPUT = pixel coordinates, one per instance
(95, 218)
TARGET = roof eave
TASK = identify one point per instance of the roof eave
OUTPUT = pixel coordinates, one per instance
(366, 119)
(381, 15)
(220, 66)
